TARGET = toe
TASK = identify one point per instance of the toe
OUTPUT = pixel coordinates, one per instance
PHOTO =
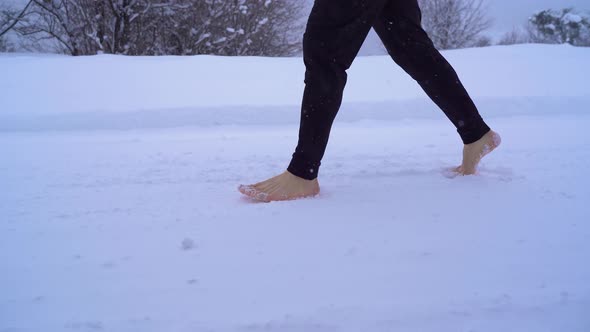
(248, 190)
(254, 193)
(242, 188)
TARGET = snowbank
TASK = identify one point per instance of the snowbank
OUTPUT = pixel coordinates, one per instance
(60, 84)
(103, 92)
(143, 229)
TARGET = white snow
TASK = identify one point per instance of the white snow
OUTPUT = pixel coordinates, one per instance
(119, 209)
(572, 18)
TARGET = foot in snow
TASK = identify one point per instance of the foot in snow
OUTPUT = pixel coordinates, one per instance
(474, 152)
(283, 187)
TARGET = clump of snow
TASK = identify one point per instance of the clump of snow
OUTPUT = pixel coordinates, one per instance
(571, 18)
(187, 244)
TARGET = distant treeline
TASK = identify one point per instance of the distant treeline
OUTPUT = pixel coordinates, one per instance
(240, 27)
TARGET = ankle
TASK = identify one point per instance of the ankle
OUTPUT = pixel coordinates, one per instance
(300, 178)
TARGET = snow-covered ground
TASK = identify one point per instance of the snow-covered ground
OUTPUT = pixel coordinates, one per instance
(119, 209)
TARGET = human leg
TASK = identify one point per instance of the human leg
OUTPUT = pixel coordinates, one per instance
(399, 27)
(334, 34)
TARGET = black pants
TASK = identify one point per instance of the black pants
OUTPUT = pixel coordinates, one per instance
(335, 32)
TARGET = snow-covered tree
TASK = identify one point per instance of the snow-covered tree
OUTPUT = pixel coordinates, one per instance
(239, 27)
(455, 23)
(158, 27)
(258, 27)
(560, 26)
(81, 27)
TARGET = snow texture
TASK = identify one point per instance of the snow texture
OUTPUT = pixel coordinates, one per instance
(119, 209)
(572, 18)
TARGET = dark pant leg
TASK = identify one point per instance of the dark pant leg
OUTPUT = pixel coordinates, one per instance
(399, 27)
(334, 34)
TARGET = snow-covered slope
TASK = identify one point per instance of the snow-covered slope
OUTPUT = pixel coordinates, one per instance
(142, 229)
(45, 91)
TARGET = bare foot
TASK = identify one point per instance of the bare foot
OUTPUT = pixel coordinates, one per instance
(474, 152)
(283, 187)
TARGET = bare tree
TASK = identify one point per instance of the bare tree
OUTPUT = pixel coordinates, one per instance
(242, 27)
(82, 27)
(455, 23)
(257, 27)
(10, 18)
(515, 36)
(482, 41)
(157, 27)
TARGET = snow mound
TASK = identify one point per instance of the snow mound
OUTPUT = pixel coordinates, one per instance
(142, 229)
